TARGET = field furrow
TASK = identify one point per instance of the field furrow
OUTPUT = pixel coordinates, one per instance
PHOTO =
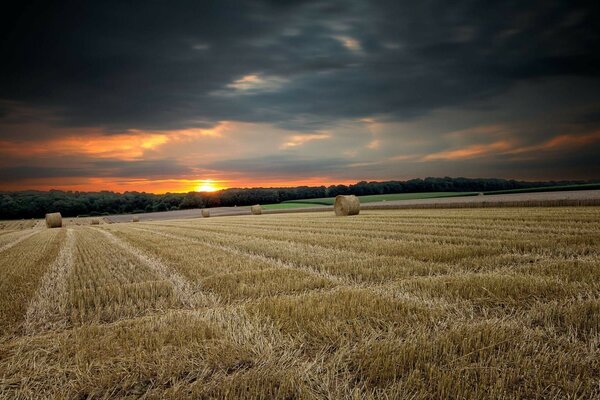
(481, 233)
(252, 271)
(186, 293)
(193, 259)
(48, 307)
(412, 244)
(108, 283)
(14, 238)
(430, 226)
(23, 267)
(341, 264)
(366, 264)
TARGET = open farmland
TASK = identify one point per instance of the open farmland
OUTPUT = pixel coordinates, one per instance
(328, 201)
(409, 304)
(403, 200)
(467, 199)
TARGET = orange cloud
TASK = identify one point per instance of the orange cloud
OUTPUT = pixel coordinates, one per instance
(127, 146)
(573, 140)
(560, 142)
(373, 144)
(506, 147)
(473, 151)
(114, 146)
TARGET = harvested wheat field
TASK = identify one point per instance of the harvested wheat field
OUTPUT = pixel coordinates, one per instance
(406, 304)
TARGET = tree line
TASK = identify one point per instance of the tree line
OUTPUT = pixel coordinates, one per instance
(35, 204)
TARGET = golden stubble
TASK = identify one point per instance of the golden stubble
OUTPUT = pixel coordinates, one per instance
(408, 304)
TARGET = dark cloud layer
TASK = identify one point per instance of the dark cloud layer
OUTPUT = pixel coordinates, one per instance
(282, 165)
(299, 67)
(97, 168)
(158, 65)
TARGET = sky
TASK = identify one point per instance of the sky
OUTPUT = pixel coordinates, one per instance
(164, 96)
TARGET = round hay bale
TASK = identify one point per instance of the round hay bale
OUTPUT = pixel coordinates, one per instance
(95, 221)
(205, 213)
(135, 219)
(53, 220)
(479, 194)
(346, 205)
(256, 210)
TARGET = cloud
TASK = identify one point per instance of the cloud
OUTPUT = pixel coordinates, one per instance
(323, 60)
(96, 168)
(298, 90)
(133, 144)
(201, 46)
(560, 142)
(252, 84)
(572, 140)
(472, 151)
(373, 144)
(350, 43)
(279, 165)
(299, 140)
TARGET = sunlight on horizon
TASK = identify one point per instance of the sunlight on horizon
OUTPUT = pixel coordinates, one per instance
(207, 186)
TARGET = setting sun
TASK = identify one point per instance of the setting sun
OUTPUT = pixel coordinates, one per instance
(207, 186)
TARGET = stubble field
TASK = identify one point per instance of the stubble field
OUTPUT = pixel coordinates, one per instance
(407, 304)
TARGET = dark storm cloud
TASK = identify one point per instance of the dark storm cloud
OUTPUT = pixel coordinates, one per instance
(161, 65)
(141, 168)
(280, 165)
(18, 173)
(94, 168)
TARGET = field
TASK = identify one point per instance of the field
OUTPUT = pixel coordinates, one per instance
(409, 304)
(287, 205)
(396, 197)
(328, 201)
(560, 188)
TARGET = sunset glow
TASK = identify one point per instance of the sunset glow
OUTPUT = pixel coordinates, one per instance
(207, 186)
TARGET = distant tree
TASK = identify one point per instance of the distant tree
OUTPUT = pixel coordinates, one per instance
(35, 204)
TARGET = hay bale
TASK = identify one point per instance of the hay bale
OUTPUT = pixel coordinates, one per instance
(53, 220)
(95, 221)
(346, 205)
(205, 213)
(135, 219)
(256, 210)
(479, 194)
